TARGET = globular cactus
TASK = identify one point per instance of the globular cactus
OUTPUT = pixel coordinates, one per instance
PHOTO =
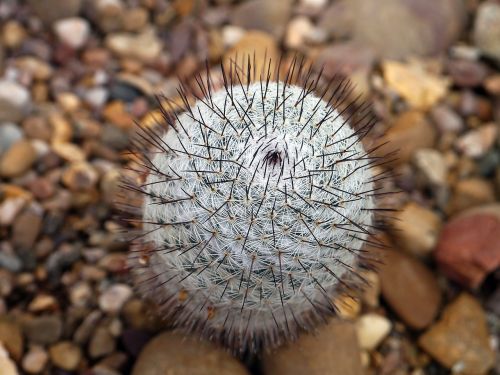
(257, 203)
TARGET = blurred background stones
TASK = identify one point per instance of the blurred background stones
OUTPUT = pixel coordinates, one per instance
(75, 74)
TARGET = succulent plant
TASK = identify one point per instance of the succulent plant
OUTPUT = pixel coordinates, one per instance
(258, 200)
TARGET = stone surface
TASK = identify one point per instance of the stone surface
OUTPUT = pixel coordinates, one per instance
(102, 343)
(410, 289)
(478, 142)
(35, 360)
(411, 27)
(262, 44)
(9, 135)
(52, 10)
(7, 365)
(432, 166)
(470, 192)
(11, 337)
(43, 330)
(487, 29)
(73, 32)
(177, 354)
(416, 229)
(420, 88)
(460, 339)
(409, 132)
(145, 46)
(18, 159)
(372, 329)
(65, 355)
(468, 248)
(113, 298)
(267, 16)
(14, 100)
(334, 350)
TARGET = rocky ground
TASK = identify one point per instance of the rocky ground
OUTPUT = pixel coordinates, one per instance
(76, 73)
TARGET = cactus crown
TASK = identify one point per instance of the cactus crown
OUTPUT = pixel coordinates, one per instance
(256, 205)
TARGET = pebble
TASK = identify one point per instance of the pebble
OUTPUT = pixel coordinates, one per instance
(7, 366)
(299, 31)
(263, 15)
(69, 152)
(231, 35)
(102, 343)
(9, 135)
(26, 227)
(14, 100)
(18, 159)
(468, 248)
(416, 229)
(420, 88)
(334, 350)
(11, 337)
(113, 298)
(145, 47)
(13, 34)
(410, 132)
(177, 354)
(476, 143)
(35, 360)
(446, 119)
(10, 208)
(416, 27)
(460, 339)
(43, 330)
(470, 192)
(410, 289)
(372, 329)
(262, 44)
(80, 176)
(66, 355)
(467, 73)
(486, 32)
(52, 10)
(432, 167)
(73, 32)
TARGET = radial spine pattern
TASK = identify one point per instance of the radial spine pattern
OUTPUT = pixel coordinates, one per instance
(256, 207)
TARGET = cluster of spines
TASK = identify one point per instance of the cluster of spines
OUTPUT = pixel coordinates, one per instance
(336, 92)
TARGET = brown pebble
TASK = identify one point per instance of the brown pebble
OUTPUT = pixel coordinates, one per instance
(460, 339)
(334, 350)
(11, 337)
(181, 355)
(468, 248)
(65, 355)
(410, 289)
(18, 159)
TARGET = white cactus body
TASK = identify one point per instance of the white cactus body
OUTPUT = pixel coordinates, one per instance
(258, 215)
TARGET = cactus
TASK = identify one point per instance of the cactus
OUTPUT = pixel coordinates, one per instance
(257, 203)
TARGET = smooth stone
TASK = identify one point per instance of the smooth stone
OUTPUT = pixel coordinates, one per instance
(411, 131)
(470, 192)
(263, 15)
(43, 330)
(11, 337)
(460, 339)
(18, 159)
(432, 166)
(181, 355)
(333, 350)
(7, 365)
(372, 329)
(486, 34)
(52, 10)
(478, 142)
(416, 229)
(468, 248)
(410, 289)
(113, 298)
(410, 27)
(65, 355)
(420, 88)
(14, 101)
(73, 32)
(9, 135)
(26, 227)
(102, 343)
(145, 46)
(35, 360)
(261, 44)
